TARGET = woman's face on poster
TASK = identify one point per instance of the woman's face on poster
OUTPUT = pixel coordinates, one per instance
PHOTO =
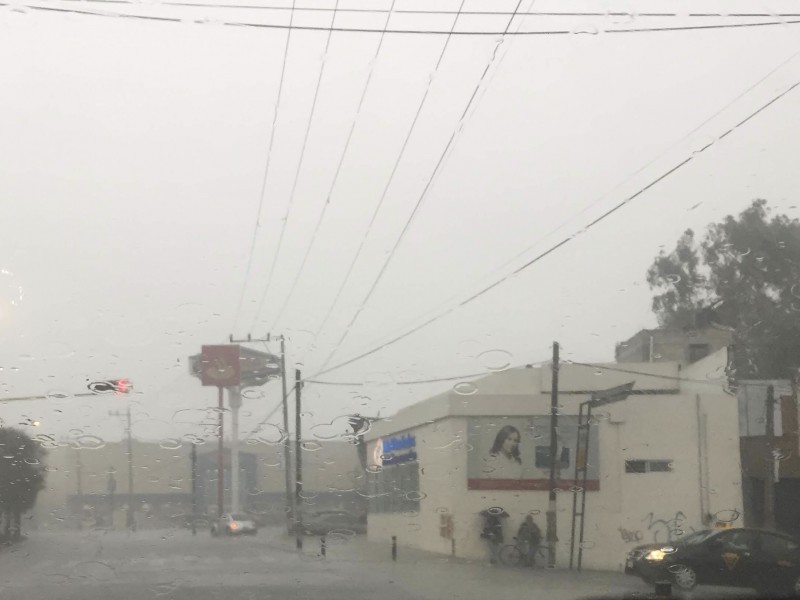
(510, 443)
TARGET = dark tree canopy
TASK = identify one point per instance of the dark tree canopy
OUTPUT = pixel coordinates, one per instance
(21, 471)
(744, 276)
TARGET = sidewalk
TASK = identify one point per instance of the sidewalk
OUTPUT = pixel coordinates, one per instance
(437, 576)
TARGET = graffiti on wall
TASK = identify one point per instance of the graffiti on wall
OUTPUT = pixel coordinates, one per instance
(667, 529)
(628, 536)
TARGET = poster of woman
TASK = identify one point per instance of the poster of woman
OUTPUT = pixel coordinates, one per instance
(513, 453)
(504, 460)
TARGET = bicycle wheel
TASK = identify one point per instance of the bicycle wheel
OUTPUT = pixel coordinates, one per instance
(510, 556)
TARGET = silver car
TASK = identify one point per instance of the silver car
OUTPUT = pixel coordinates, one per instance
(234, 524)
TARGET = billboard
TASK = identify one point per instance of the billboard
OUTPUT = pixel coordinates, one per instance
(513, 453)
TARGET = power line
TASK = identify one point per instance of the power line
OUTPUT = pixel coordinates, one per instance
(424, 381)
(266, 174)
(335, 179)
(644, 373)
(378, 207)
(564, 241)
(557, 32)
(424, 193)
(311, 9)
(285, 220)
(561, 226)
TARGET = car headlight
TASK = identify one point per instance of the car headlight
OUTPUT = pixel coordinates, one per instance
(658, 555)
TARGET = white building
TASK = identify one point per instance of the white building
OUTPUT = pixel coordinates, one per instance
(662, 463)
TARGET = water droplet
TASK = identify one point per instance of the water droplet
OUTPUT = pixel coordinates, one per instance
(727, 516)
(32, 461)
(465, 388)
(252, 394)
(586, 30)
(495, 360)
(90, 442)
(170, 444)
(415, 496)
(672, 279)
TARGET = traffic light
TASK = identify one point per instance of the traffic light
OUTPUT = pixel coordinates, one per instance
(111, 386)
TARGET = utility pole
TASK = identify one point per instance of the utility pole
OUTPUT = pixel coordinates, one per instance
(220, 456)
(552, 534)
(79, 485)
(287, 446)
(236, 402)
(298, 464)
(769, 461)
(194, 488)
(130, 521)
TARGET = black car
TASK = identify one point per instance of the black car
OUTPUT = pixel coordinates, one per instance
(766, 561)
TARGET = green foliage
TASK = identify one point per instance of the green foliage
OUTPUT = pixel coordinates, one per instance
(21, 471)
(744, 276)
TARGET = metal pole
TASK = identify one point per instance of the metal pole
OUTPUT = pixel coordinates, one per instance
(769, 462)
(235, 400)
(194, 488)
(575, 488)
(298, 463)
(220, 458)
(131, 522)
(287, 447)
(583, 485)
(79, 485)
(552, 535)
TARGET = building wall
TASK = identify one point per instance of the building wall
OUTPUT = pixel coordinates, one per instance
(695, 428)
(670, 345)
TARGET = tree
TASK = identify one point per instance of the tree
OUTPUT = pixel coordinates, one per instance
(21, 476)
(743, 276)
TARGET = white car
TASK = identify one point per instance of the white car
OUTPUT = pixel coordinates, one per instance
(230, 524)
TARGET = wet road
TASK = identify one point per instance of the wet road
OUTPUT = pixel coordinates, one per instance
(174, 565)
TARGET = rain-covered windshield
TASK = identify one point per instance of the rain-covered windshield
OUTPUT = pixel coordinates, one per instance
(434, 298)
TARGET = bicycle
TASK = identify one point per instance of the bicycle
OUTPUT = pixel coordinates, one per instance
(513, 555)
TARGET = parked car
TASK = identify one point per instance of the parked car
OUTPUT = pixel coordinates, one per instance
(322, 522)
(766, 561)
(234, 524)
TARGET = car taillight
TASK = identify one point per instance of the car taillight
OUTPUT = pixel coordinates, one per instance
(234, 525)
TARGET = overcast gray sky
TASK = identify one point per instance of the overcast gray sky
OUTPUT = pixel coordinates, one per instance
(134, 156)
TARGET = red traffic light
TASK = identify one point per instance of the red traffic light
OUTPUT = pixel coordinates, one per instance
(111, 386)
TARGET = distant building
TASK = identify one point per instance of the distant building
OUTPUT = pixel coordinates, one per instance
(672, 345)
(89, 485)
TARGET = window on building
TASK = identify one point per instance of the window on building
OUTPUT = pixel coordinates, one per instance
(395, 489)
(648, 466)
(698, 351)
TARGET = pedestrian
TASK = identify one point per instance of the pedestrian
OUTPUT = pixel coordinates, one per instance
(529, 538)
(493, 534)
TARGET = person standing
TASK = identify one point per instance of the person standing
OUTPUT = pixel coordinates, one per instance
(493, 534)
(529, 538)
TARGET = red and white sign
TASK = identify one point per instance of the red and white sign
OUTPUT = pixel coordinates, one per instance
(219, 365)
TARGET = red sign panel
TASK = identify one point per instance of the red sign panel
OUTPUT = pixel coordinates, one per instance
(219, 365)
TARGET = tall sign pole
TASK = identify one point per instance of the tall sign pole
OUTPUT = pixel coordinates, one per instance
(552, 534)
(220, 367)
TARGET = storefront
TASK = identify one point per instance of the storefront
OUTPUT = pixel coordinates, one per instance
(652, 472)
